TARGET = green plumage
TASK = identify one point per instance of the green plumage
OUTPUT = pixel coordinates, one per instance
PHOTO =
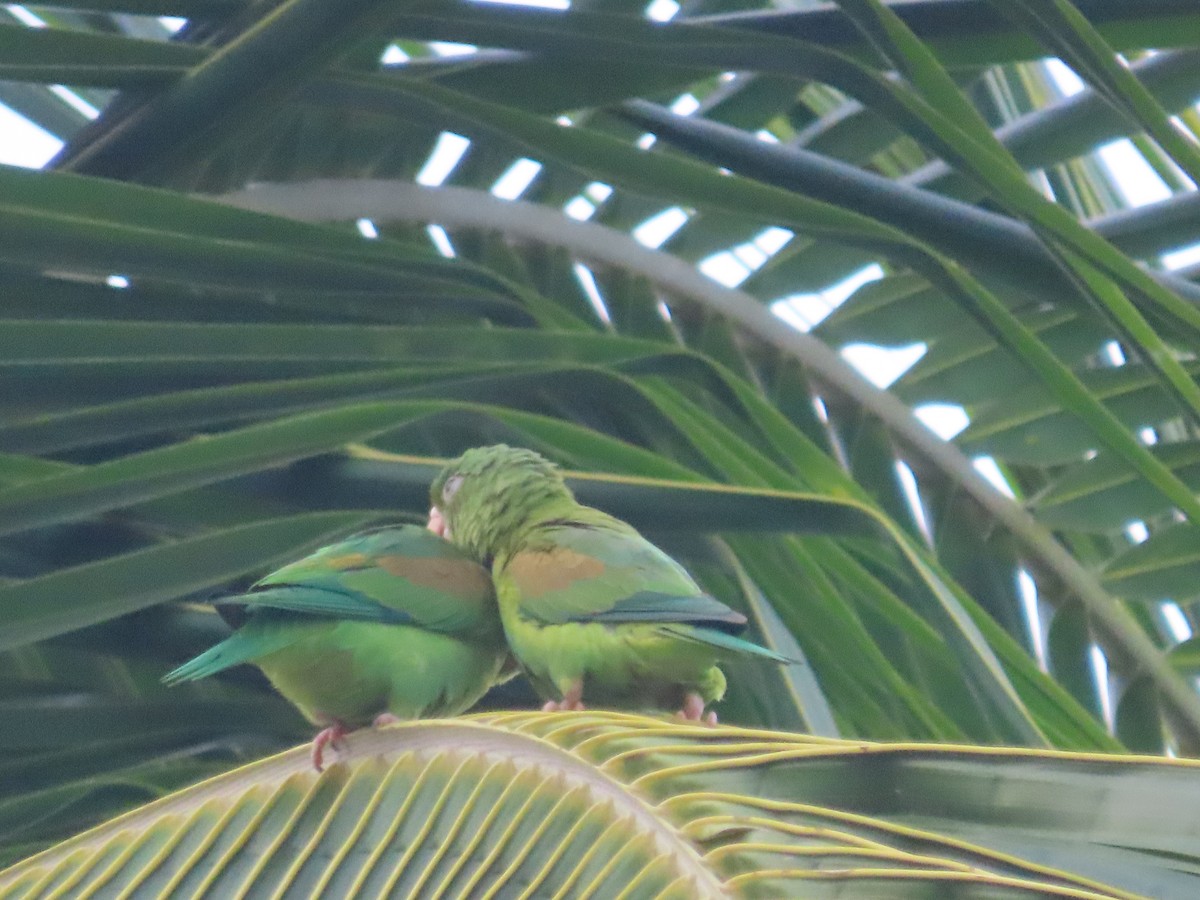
(394, 620)
(587, 603)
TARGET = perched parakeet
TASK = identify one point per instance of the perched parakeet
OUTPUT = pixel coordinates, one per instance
(390, 623)
(589, 606)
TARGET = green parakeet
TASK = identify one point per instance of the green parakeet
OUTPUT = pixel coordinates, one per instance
(391, 623)
(589, 606)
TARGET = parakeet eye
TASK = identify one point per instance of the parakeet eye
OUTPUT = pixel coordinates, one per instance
(451, 487)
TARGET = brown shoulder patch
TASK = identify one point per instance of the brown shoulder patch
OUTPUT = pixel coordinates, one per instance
(454, 576)
(542, 573)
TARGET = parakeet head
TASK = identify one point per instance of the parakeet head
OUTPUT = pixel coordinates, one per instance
(483, 499)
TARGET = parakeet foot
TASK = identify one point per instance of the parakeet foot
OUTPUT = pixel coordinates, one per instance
(693, 710)
(562, 706)
(385, 719)
(572, 700)
(332, 736)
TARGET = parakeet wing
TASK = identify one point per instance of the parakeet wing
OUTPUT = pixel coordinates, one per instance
(579, 572)
(398, 575)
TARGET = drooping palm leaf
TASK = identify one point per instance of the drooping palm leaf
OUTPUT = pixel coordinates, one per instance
(177, 376)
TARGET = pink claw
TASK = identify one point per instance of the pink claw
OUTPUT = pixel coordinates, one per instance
(572, 700)
(693, 710)
(332, 736)
(385, 718)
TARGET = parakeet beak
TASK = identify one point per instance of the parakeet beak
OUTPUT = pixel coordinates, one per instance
(437, 523)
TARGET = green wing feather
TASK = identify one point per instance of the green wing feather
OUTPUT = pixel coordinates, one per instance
(655, 606)
(601, 570)
(394, 575)
(314, 601)
(719, 640)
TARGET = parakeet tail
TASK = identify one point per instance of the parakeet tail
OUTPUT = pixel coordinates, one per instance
(722, 641)
(234, 650)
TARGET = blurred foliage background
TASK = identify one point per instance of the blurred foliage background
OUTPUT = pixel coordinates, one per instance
(290, 254)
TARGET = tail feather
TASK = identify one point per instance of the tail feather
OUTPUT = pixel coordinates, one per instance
(723, 641)
(236, 649)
